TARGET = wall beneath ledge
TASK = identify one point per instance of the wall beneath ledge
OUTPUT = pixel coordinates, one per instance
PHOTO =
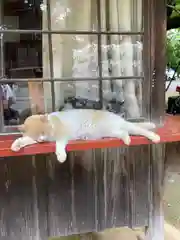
(91, 191)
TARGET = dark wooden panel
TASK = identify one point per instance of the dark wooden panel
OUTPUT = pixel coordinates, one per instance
(17, 201)
(91, 191)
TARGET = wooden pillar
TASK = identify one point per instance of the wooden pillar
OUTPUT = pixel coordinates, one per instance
(1, 69)
(156, 177)
(36, 94)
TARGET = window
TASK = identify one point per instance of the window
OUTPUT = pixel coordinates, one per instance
(72, 54)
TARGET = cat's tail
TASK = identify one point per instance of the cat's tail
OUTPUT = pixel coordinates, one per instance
(146, 125)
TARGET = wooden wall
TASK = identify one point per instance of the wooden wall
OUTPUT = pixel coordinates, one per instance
(91, 191)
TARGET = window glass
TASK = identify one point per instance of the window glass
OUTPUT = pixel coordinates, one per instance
(47, 70)
(121, 15)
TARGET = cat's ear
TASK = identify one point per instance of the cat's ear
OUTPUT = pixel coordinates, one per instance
(44, 118)
(21, 128)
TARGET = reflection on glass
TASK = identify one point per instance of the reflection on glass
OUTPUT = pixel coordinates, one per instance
(71, 15)
(37, 56)
(122, 57)
(121, 15)
(22, 14)
(73, 56)
(22, 55)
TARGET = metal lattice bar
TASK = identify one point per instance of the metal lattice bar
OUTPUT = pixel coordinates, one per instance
(50, 54)
(99, 53)
(68, 79)
(77, 32)
(2, 54)
(52, 79)
(1, 74)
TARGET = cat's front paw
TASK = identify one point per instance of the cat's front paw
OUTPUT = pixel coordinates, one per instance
(127, 140)
(156, 138)
(16, 145)
(61, 155)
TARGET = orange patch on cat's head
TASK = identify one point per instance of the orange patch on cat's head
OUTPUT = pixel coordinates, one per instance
(34, 126)
(39, 125)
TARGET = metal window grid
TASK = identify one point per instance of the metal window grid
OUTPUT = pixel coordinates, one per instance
(147, 48)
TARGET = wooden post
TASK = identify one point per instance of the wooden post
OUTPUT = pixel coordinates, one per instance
(37, 96)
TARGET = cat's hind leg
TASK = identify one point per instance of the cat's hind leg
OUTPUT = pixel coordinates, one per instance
(133, 129)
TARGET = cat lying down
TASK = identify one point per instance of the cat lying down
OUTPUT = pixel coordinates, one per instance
(74, 124)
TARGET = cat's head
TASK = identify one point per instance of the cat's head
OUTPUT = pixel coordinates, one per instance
(41, 127)
(36, 127)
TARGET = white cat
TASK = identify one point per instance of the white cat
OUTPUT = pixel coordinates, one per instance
(74, 124)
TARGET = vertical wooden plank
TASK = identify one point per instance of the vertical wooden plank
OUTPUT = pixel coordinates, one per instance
(156, 180)
(91, 191)
(17, 198)
(138, 168)
(4, 184)
(130, 187)
(86, 187)
(148, 56)
(40, 196)
(36, 93)
(158, 88)
(117, 199)
(98, 189)
(23, 206)
(59, 197)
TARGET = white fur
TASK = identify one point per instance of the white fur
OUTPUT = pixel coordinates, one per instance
(90, 124)
(22, 142)
(61, 151)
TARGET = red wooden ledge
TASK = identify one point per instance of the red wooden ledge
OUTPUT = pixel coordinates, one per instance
(170, 132)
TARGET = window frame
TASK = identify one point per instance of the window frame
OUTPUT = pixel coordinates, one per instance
(153, 53)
